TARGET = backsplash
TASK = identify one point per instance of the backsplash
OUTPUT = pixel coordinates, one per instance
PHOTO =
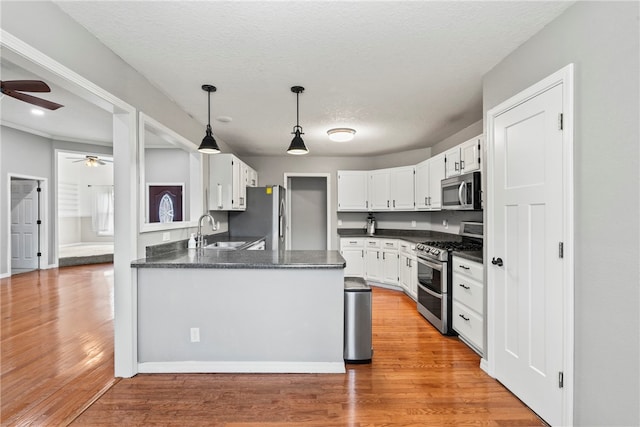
(404, 220)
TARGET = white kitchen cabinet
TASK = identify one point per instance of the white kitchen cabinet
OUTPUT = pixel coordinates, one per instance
(402, 186)
(352, 191)
(428, 175)
(379, 190)
(464, 158)
(468, 302)
(252, 177)
(373, 260)
(352, 250)
(227, 183)
(389, 250)
(392, 189)
(408, 270)
(471, 154)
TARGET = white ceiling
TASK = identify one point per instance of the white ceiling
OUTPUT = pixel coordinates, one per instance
(404, 74)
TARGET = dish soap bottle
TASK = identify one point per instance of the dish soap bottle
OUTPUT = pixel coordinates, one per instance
(192, 241)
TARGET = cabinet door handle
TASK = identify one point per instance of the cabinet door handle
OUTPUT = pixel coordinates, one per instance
(366, 204)
(461, 164)
(457, 166)
(409, 259)
(425, 201)
(464, 317)
(363, 253)
(377, 255)
(464, 267)
(429, 200)
(384, 255)
(464, 286)
(387, 203)
(394, 203)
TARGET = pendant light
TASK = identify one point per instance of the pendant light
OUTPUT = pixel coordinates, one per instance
(209, 144)
(297, 144)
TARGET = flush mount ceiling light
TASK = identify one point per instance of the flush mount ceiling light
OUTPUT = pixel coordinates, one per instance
(341, 134)
(297, 144)
(209, 145)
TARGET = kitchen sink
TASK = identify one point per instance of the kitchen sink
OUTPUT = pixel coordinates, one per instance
(225, 245)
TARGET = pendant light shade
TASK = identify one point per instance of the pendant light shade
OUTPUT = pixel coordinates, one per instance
(297, 146)
(209, 144)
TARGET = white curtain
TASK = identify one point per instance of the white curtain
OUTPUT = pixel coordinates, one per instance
(102, 210)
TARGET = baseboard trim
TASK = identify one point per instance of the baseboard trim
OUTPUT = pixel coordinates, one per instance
(484, 365)
(241, 367)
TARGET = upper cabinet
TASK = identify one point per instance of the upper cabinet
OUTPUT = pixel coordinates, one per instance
(392, 189)
(465, 157)
(352, 191)
(379, 189)
(407, 188)
(429, 173)
(229, 178)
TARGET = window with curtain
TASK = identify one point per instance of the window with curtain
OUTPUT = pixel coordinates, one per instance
(102, 210)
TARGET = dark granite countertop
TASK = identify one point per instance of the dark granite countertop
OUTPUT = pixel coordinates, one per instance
(470, 255)
(212, 258)
(415, 236)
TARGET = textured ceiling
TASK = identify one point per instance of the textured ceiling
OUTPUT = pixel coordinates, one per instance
(403, 74)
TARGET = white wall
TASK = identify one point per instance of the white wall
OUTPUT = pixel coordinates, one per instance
(602, 40)
(70, 44)
(23, 153)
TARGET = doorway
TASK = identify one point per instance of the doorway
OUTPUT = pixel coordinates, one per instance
(309, 222)
(530, 219)
(25, 224)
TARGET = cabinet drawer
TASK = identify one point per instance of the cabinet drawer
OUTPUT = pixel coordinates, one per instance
(351, 243)
(389, 244)
(472, 269)
(468, 324)
(407, 247)
(372, 243)
(468, 291)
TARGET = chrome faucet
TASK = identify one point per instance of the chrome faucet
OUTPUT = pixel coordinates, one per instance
(199, 235)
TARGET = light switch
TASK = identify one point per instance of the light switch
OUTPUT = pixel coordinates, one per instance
(195, 334)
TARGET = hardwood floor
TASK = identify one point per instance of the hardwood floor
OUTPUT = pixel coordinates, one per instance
(57, 343)
(418, 377)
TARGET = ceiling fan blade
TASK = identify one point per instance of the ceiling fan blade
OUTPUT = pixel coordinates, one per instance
(32, 100)
(26, 85)
(101, 162)
(79, 160)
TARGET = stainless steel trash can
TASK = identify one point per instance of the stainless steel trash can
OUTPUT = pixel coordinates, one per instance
(357, 321)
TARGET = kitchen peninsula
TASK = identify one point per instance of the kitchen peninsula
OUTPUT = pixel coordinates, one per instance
(240, 311)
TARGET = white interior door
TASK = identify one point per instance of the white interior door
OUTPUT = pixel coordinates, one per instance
(526, 229)
(24, 228)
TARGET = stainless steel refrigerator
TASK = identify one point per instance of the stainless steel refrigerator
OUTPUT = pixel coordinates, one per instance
(264, 216)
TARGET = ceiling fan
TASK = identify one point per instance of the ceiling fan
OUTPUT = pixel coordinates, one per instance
(14, 89)
(91, 161)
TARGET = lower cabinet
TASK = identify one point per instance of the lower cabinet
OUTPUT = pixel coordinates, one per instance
(468, 302)
(352, 250)
(380, 260)
(408, 268)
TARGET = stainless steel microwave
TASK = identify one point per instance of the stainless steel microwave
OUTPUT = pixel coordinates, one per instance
(462, 192)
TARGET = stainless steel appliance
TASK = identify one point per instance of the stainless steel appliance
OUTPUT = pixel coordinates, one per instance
(371, 225)
(264, 216)
(462, 192)
(434, 274)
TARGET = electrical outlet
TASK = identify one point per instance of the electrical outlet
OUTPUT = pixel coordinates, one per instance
(195, 334)
(445, 223)
(413, 223)
(339, 222)
(166, 236)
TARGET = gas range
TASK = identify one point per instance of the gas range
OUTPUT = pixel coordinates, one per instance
(439, 250)
(471, 234)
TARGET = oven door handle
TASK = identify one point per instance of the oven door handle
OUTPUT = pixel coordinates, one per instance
(430, 264)
(429, 291)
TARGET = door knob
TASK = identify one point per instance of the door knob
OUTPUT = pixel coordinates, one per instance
(497, 261)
